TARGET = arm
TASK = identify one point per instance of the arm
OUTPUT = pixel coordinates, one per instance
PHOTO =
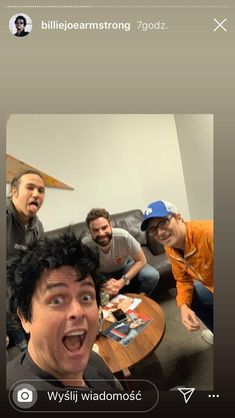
(184, 286)
(114, 286)
(40, 230)
(184, 283)
(188, 318)
(139, 263)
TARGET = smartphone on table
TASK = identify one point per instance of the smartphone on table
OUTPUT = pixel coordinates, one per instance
(119, 315)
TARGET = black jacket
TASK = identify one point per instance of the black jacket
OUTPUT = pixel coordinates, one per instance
(16, 233)
(96, 374)
(22, 33)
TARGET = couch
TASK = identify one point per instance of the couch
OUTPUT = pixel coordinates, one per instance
(130, 221)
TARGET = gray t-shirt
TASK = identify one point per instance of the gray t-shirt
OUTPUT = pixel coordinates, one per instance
(123, 247)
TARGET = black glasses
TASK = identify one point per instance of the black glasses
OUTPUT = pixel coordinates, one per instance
(162, 225)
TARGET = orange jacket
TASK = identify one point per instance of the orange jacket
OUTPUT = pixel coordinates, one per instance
(197, 262)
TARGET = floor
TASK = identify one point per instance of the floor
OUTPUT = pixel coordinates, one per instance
(183, 358)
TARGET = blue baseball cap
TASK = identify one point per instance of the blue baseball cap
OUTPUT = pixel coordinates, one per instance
(158, 209)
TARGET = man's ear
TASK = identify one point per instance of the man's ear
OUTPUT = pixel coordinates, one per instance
(14, 191)
(24, 322)
(89, 227)
(178, 217)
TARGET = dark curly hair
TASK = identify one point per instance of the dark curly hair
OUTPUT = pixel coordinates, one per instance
(26, 268)
(16, 180)
(20, 17)
(96, 213)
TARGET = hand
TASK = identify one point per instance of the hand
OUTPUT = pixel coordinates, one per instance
(112, 287)
(189, 319)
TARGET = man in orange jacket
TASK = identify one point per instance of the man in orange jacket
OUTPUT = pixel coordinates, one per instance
(189, 248)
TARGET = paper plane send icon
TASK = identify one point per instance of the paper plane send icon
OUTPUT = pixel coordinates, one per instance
(187, 392)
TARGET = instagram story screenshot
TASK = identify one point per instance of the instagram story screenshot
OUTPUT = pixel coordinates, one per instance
(117, 206)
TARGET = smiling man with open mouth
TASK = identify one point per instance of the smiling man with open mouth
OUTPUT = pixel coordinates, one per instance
(54, 287)
(189, 246)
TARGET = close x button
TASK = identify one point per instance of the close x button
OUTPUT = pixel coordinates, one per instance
(220, 25)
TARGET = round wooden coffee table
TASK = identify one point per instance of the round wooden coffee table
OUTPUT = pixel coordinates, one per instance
(119, 357)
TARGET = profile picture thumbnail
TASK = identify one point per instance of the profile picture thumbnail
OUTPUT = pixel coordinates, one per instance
(20, 25)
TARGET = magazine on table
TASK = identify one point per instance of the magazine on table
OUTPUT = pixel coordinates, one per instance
(126, 331)
(119, 302)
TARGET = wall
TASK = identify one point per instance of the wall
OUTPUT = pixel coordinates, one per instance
(119, 162)
(195, 135)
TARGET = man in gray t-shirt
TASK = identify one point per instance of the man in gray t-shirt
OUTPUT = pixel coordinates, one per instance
(122, 261)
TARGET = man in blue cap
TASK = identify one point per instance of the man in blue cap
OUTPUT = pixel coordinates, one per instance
(189, 248)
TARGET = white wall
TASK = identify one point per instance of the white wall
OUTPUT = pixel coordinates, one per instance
(119, 162)
(195, 135)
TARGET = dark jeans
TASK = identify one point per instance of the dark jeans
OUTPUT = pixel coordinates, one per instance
(202, 304)
(144, 282)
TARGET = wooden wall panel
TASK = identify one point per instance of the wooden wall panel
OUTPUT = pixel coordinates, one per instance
(14, 166)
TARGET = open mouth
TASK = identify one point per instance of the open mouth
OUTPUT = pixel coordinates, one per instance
(103, 241)
(33, 206)
(163, 239)
(73, 341)
(34, 203)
